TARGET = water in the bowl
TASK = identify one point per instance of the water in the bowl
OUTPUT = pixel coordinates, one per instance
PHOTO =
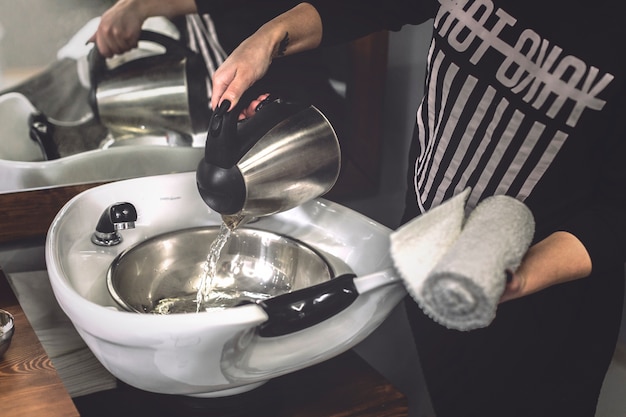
(175, 305)
(215, 291)
(219, 299)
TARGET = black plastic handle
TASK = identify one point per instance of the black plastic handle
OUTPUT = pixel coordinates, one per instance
(122, 212)
(301, 309)
(171, 45)
(229, 139)
(42, 131)
(97, 62)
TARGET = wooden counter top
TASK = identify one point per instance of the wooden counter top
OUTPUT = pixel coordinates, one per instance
(345, 386)
(29, 384)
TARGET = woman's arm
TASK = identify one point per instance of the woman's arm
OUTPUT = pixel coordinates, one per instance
(296, 30)
(559, 258)
(306, 26)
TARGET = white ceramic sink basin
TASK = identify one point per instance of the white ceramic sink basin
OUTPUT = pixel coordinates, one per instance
(110, 164)
(220, 352)
(22, 164)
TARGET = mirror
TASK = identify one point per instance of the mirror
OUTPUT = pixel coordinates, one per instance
(358, 70)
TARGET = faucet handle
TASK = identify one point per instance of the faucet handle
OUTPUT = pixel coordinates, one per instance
(118, 216)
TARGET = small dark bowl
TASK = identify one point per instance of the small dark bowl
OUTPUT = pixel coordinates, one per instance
(6, 331)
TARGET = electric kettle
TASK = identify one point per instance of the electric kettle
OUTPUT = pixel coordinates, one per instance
(165, 92)
(283, 156)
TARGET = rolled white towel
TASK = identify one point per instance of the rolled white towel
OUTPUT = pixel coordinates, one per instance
(463, 290)
(417, 246)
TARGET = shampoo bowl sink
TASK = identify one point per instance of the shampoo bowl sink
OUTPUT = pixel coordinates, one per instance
(224, 351)
(23, 165)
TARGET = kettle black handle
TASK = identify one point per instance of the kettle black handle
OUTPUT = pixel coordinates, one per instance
(97, 67)
(228, 139)
(41, 130)
(301, 309)
(97, 62)
(171, 45)
(222, 139)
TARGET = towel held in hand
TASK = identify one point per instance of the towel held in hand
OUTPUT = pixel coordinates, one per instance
(455, 267)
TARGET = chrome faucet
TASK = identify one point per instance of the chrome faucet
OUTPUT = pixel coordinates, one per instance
(118, 216)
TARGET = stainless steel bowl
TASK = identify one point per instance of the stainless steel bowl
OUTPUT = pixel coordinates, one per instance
(163, 274)
(7, 328)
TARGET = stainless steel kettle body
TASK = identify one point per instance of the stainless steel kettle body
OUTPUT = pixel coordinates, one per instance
(164, 92)
(283, 156)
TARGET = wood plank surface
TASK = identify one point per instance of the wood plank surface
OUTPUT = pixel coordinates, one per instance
(29, 384)
(29, 213)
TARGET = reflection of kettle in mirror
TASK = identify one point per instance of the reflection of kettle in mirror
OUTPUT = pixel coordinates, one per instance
(159, 92)
(283, 156)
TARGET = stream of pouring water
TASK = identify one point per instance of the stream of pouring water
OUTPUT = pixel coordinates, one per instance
(209, 270)
(206, 296)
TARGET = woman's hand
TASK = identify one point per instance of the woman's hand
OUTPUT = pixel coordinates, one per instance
(245, 65)
(515, 285)
(120, 26)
